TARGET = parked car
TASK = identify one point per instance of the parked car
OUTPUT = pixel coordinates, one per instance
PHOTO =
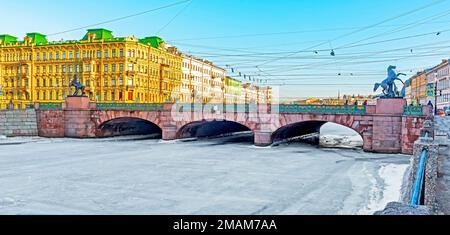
(447, 112)
(440, 112)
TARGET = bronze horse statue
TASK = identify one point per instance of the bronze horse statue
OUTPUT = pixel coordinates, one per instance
(390, 89)
(78, 86)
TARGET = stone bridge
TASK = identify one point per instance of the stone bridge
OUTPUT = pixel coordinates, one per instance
(387, 127)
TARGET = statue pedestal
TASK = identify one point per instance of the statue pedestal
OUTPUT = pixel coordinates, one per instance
(390, 106)
(77, 118)
(77, 102)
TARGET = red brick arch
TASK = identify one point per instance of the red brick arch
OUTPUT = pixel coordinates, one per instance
(358, 123)
(240, 118)
(100, 117)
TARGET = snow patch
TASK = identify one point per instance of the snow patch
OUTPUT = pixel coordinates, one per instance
(338, 141)
(381, 195)
(7, 201)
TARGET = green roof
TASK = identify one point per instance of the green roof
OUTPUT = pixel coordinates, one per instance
(152, 41)
(5, 38)
(38, 38)
(99, 34)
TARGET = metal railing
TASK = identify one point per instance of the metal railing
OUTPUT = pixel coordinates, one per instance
(339, 109)
(413, 110)
(50, 106)
(197, 107)
(128, 106)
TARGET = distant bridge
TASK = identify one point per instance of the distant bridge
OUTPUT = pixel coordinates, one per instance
(388, 127)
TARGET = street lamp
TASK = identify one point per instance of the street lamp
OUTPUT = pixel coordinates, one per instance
(435, 92)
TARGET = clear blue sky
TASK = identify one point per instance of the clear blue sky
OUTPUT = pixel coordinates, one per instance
(224, 32)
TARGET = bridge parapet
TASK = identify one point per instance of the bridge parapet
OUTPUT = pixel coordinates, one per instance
(339, 109)
(130, 106)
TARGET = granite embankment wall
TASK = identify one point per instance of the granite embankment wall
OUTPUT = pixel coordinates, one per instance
(428, 203)
(15, 123)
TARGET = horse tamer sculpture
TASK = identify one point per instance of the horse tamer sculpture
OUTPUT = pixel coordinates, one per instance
(78, 86)
(390, 89)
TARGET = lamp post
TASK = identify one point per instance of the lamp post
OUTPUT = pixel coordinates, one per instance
(435, 92)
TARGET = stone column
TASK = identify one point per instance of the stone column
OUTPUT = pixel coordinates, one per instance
(263, 138)
(387, 126)
(77, 118)
(169, 127)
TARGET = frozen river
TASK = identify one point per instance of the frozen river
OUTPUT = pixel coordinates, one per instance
(123, 176)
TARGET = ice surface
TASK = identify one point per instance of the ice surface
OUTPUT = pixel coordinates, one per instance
(138, 176)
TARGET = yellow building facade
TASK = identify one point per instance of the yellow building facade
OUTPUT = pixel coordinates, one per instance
(113, 69)
(419, 88)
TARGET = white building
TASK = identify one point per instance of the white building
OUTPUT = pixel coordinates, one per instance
(201, 81)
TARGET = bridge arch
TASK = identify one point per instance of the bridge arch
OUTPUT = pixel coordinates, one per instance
(128, 126)
(309, 124)
(117, 123)
(207, 128)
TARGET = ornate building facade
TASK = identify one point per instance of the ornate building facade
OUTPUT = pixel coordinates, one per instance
(113, 70)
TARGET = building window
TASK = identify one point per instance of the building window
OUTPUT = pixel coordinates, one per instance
(44, 56)
(70, 68)
(64, 55)
(38, 57)
(106, 54)
(130, 82)
(50, 55)
(121, 52)
(113, 68)
(113, 96)
(84, 54)
(77, 54)
(99, 54)
(130, 67)
(57, 55)
(57, 68)
(106, 68)
(70, 55)
(113, 53)
(87, 68)
(63, 68)
(120, 81)
(121, 67)
(113, 81)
